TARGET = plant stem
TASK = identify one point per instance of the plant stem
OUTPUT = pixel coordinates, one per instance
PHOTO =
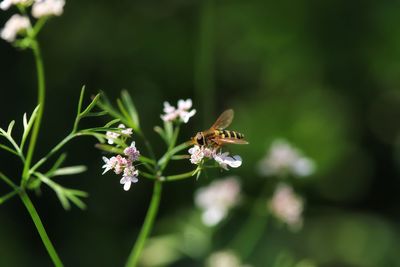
(40, 228)
(204, 82)
(179, 176)
(41, 100)
(147, 226)
(167, 156)
(52, 151)
(7, 196)
(8, 181)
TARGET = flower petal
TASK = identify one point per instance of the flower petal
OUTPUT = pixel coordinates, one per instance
(127, 185)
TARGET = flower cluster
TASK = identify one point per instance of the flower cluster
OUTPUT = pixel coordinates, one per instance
(217, 199)
(198, 153)
(182, 112)
(282, 159)
(15, 25)
(124, 165)
(6, 4)
(287, 206)
(45, 8)
(112, 136)
(18, 24)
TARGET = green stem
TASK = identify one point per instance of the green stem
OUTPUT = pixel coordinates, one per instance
(179, 176)
(52, 152)
(204, 81)
(40, 228)
(147, 226)
(167, 156)
(8, 149)
(7, 196)
(41, 100)
(8, 181)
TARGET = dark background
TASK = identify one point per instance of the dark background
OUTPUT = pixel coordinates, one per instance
(325, 75)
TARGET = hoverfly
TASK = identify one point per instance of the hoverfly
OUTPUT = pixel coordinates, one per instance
(217, 136)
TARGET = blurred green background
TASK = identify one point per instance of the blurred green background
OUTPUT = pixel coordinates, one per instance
(325, 75)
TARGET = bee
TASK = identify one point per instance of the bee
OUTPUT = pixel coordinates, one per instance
(217, 136)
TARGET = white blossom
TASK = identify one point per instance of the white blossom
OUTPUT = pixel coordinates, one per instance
(182, 112)
(112, 136)
(132, 152)
(217, 198)
(6, 4)
(129, 177)
(109, 164)
(123, 164)
(15, 25)
(44, 8)
(282, 158)
(196, 154)
(224, 258)
(287, 206)
(224, 160)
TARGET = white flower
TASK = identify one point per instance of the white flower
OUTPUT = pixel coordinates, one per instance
(216, 199)
(112, 136)
(44, 8)
(109, 164)
(224, 160)
(15, 25)
(282, 158)
(183, 108)
(196, 154)
(186, 115)
(224, 259)
(6, 4)
(185, 104)
(129, 177)
(132, 152)
(183, 111)
(287, 206)
(121, 164)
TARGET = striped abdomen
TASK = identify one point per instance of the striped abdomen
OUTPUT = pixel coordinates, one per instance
(228, 134)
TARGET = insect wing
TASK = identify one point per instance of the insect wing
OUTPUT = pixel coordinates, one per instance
(224, 120)
(222, 141)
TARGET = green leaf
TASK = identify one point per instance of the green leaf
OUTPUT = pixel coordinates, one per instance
(25, 121)
(80, 102)
(146, 160)
(110, 149)
(79, 203)
(70, 170)
(100, 137)
(90, 106)
(57, 164)
(8, 196)
(111, 123)
(65, 195)
(169, 130)
(9, 149)
(28, 125)
(162, 134)
(10, 127)
(128, 102)
(96, 114)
